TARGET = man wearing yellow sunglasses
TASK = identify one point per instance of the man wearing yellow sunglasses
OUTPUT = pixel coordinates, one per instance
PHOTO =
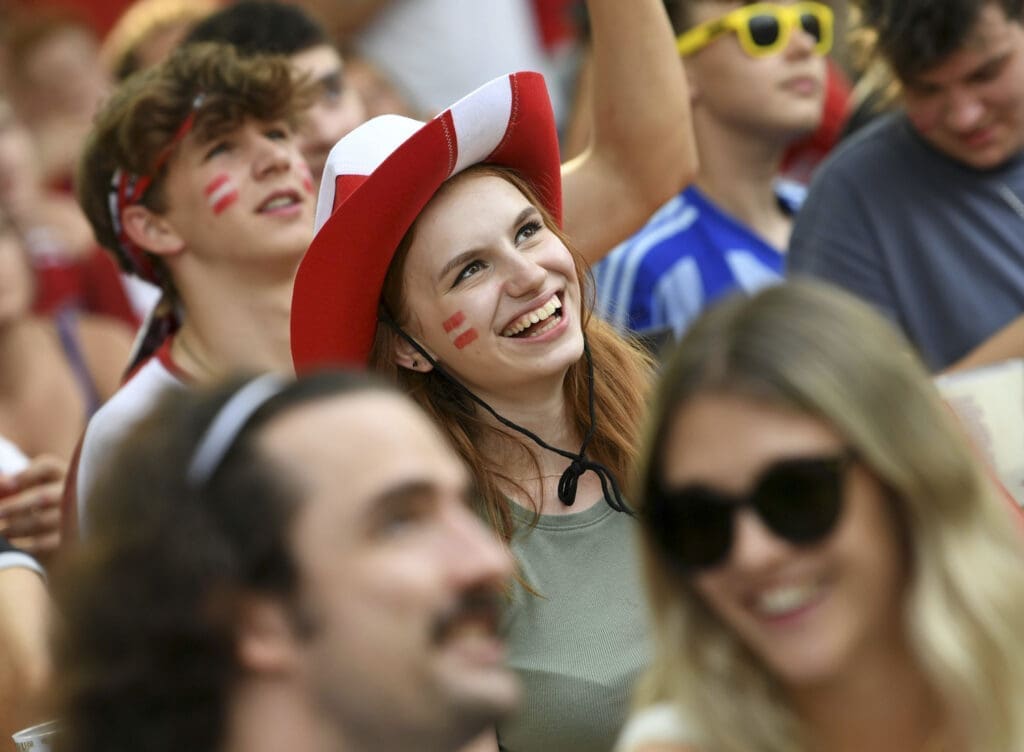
(756, 74)
(922, 212)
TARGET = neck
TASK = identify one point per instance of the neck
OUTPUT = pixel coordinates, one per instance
(545, 416)
(737, 172)
(884, 705)
(234, 325)
(268, 715)
(537, 471)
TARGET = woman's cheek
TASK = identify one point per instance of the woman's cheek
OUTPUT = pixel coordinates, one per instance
(459, 330)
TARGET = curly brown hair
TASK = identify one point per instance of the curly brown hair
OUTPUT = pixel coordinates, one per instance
(139, 122)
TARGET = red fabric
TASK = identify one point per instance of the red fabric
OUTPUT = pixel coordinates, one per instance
(554, 22)
(345, 186)
(167, 360)
(92, 284)
(804, 155)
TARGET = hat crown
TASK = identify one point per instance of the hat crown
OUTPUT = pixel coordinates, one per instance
(475, 126)
(360, 152)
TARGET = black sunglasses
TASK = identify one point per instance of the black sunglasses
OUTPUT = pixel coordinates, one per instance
(798, 499)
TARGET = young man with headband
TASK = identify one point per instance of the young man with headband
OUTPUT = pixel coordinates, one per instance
(756, 77)
(193, 179)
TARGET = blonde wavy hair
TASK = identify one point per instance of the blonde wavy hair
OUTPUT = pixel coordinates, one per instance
(622, 374)
(816, 349)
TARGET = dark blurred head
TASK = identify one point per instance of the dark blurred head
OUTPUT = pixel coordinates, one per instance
(916, 35)
(148, 31)
(328, 554)
(260, 27)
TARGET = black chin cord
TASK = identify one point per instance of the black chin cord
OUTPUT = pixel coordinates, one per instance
(579, 463)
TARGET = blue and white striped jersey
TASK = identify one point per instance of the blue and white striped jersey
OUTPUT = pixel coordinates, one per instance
(689, 254)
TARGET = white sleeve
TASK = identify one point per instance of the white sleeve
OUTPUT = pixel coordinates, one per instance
(657, 723)
(13, 559)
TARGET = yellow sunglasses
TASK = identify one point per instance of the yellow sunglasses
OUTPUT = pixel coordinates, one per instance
(763, 28)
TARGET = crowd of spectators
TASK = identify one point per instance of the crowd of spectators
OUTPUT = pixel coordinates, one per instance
(519, 375)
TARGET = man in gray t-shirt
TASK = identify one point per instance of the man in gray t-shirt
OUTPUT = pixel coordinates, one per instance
(922, 213)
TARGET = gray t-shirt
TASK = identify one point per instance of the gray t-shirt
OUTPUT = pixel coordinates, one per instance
(581, 644)
(935, 245)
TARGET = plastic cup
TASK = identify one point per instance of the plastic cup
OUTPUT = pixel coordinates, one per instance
(37, 738)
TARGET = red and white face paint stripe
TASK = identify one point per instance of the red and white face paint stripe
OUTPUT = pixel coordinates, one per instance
(221, 192)
(307, 177)
(459, 331)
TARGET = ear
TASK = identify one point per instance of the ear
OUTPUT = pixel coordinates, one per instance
(407, 356)
(150, 231)
(267, 642)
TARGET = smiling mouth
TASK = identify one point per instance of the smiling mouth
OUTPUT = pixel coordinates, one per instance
(536, 322)
(977, 136)
(786, 601)
(279, 201)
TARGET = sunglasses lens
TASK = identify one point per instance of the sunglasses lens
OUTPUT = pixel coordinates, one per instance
(800, 500)
(811, 24)
(693, 527)
(764, 30)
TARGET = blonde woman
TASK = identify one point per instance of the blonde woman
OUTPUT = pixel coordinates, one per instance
(828, 568)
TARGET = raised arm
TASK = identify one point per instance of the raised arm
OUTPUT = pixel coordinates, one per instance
(642, 148)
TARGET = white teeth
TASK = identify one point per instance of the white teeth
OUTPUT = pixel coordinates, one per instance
(277, 203)
(786, 599)
(546, 328)
(533, 317)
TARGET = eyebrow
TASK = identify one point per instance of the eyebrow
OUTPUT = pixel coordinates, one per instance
(411, 492)
(983, 70)
(403, 492)
(331, 78)
(989, 66)
(467, 256)
(393, 499)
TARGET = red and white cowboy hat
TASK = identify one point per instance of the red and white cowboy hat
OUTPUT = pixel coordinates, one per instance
(377, 180)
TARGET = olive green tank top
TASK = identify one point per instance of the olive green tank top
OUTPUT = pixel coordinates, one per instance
(581, 644)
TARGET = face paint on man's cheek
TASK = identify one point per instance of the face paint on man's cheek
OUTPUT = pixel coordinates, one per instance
(307, 177)
(459, 331)
(221, 193)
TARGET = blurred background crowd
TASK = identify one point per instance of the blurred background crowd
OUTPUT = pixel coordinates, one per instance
(759, 239)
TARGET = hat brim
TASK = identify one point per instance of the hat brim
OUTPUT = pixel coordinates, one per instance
(337, 289)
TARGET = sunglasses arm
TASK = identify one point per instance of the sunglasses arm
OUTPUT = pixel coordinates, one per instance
(699, 37)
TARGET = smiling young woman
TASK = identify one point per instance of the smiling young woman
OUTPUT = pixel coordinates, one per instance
(440, 261)
(503, 368)
(828, 566)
